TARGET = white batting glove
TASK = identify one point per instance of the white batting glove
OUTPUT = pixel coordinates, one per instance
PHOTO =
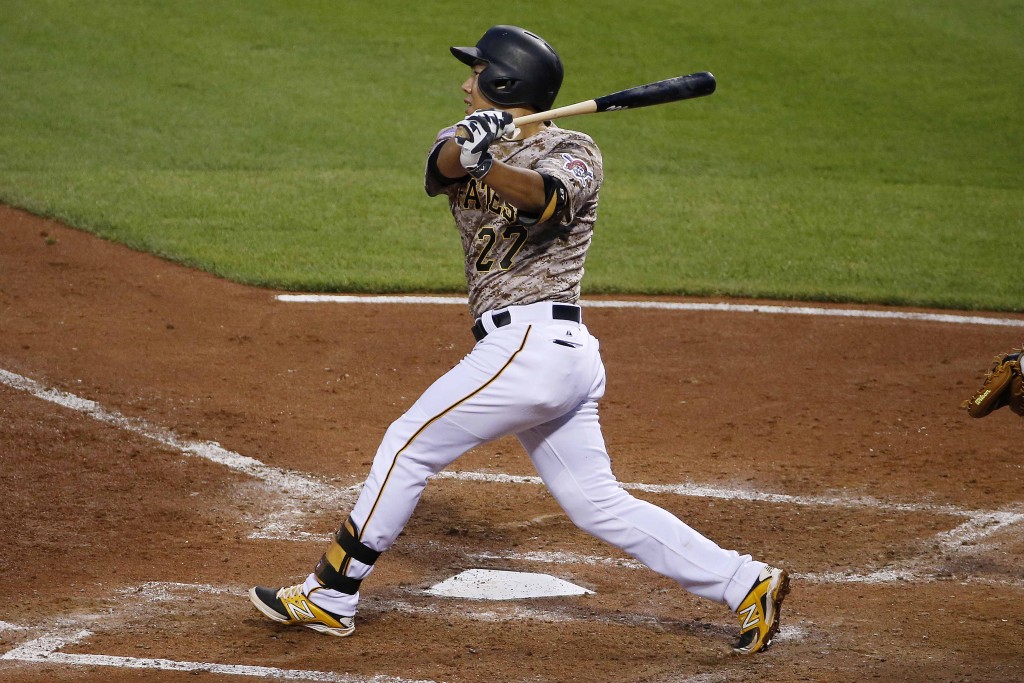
(500, 121)
(475, 133)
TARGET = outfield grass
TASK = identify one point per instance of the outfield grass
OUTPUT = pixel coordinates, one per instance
(854, 151)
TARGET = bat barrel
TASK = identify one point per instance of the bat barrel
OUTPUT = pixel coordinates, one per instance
(670, 90)
(686, 87)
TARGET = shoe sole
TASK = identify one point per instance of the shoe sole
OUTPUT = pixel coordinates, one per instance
(273, 615)
(337, 632)
(780, 595)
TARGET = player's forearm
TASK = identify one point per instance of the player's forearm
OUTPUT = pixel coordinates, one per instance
(520, 187)
(448, 161)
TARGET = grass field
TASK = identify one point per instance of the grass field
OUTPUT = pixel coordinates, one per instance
(854, 151)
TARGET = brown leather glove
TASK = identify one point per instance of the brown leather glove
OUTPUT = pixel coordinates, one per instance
(1003, 386)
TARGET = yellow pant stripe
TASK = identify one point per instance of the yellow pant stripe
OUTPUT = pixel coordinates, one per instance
(435, 419)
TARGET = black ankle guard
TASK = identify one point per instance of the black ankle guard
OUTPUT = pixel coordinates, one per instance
(330, 570)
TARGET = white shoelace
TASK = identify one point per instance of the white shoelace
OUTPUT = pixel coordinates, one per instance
(290, 592)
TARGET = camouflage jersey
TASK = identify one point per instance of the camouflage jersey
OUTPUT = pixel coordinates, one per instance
(510, 262)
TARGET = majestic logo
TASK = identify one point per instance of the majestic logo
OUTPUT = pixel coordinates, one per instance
(577, 167)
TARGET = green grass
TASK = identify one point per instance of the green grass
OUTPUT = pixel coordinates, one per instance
(855, 151)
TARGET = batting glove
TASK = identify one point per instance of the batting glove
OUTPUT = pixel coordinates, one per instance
(474, 135)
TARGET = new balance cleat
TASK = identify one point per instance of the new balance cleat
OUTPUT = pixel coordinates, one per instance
(759, 611)
(291, 606)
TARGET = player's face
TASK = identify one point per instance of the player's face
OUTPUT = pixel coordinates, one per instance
(474, 98)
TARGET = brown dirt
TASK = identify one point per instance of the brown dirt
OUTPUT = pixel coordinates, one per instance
(151, 549)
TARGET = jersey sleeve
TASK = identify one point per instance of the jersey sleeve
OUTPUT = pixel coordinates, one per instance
(576, 163)
(434, 181)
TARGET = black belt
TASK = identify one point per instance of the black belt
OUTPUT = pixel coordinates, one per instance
(502, 318)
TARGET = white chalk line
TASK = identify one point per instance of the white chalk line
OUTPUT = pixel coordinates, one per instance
(679, 306)
(303, 490)
(8, 626)
(45, 650)
(980, 523)
(906, 573)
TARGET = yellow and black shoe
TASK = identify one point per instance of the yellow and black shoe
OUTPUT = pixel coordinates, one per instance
(290, 605)
(759, 611)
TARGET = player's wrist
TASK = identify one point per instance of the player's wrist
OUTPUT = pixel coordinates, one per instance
(481, 167)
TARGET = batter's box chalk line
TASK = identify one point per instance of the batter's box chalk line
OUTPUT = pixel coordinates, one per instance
(770, 309)
(964, 538)
(304, 491)
(46, 648)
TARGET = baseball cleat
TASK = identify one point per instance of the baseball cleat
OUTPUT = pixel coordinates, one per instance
(291, 606)
(759, 611)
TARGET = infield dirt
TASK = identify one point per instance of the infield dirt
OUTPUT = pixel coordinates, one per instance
(152, 549)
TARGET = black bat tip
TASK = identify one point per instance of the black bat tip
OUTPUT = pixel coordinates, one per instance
(707, 82)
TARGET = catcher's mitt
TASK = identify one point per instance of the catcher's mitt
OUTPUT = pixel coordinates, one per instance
(1003, 386)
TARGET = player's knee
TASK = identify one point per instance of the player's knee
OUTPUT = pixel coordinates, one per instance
(593, 514)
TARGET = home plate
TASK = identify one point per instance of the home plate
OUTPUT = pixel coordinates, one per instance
(492, 584)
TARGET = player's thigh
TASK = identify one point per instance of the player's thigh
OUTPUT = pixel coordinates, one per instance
(508, 383)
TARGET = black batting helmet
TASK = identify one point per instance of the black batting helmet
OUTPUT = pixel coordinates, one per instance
(522, 69)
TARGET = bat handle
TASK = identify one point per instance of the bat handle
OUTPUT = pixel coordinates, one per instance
(588, 107)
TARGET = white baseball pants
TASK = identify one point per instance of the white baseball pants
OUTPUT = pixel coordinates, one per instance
(539, 379)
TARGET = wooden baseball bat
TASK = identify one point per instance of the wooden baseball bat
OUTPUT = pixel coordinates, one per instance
(670, 90)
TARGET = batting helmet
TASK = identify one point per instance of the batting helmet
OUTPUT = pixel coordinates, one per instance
(522, 69)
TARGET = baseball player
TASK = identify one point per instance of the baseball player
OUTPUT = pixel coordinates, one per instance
(525, 203)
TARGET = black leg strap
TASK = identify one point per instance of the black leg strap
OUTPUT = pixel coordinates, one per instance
(330, 570)
(347, 538)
